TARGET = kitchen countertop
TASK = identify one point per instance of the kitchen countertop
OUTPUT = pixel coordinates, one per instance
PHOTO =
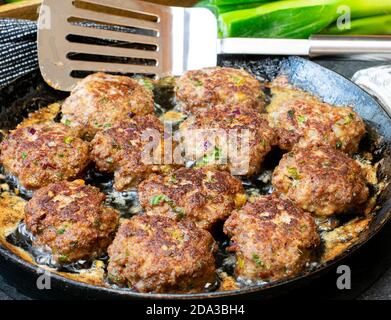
(371, 266)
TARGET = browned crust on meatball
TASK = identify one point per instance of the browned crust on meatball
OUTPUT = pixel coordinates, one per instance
(238, 120)
(203, 89)
(101, 100)
(272, 238)
(204, 196)
(302, 119)
(71, 220)
(120, 150)
(321, 180)
(158, 254)
(44, 153)
(45, 114)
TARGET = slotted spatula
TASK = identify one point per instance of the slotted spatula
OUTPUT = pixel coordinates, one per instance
(136, 37)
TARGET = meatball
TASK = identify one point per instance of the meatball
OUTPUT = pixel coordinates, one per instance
(272, 238)
(158, 254)
(123, 150)
(101, 100)
(44, 153)
(302, 119)
(202, 195)
(321, 180)
(70, 219)
(202, 89)
(235, 139)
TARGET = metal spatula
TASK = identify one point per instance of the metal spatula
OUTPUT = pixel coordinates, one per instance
(130, 36)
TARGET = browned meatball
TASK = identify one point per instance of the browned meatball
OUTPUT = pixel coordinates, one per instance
(202, 195)
(70, 219)
(235, 139)
(101, 100)
(203, 89)
(321, 180)
(158, 254)
(121, 150)
(43, 153)
(272, 238)
(302, 119)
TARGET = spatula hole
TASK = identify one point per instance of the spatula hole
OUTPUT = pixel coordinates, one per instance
(91, 23)
(128, 13)
(110, 59)
(111, 43)
(79, 74)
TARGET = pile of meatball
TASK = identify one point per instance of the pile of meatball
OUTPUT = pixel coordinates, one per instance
(170, 247)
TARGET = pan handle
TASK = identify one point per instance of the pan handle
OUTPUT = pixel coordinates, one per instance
(362, 47)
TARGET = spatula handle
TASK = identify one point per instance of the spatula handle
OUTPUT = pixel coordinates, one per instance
(374, 47)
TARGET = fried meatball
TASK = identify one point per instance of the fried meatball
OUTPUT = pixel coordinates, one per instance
(202, 195)
(203, 89)
(43, 153)
(321, 180)
(302, 119)
(101, 100)
(235, 139)
(122, 150)
(272, 238)
(158, 254)
(70, 219)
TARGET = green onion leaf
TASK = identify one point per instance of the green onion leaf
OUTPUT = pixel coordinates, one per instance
(172, 179)
(197, 83)
(291, 114)
(104, 100)
(216, 153)
(180, 213)
(213, 156)
(301, 118)
(63, 258)
(240, 262)
(68, 140)
(159, 199)
(257, 260)
(293, 173)
(146, 83)
(339, 144)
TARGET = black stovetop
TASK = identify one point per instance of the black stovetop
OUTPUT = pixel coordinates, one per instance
(370, 266)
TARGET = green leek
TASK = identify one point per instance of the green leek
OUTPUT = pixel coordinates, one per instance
(296, 18)
(378, 25)
(220, 9)
(234, 2)
(282, 19)
(367, 8)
